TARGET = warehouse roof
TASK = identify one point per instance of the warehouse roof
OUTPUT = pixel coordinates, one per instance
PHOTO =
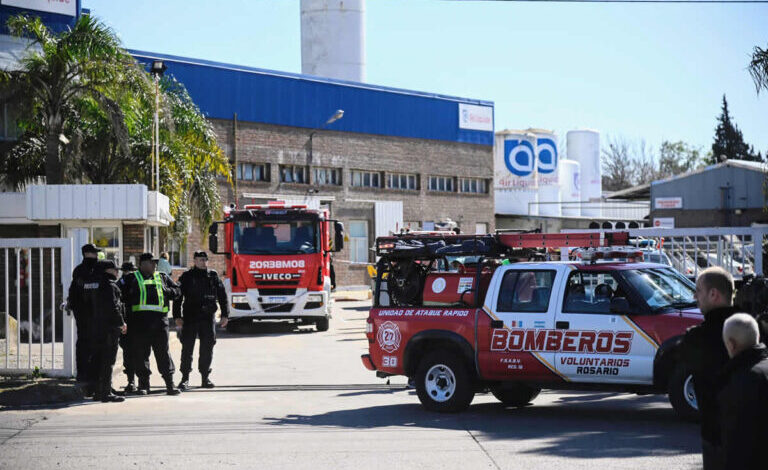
(743, 164)
(297, 100)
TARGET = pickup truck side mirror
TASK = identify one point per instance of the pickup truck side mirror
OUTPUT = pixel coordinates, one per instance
(619, 305)
(338, 236)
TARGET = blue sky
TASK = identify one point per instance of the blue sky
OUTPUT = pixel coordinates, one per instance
(648, 72)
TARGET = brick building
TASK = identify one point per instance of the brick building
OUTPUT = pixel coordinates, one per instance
(432, 153)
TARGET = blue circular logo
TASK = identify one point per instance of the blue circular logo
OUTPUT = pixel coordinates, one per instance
(547, 157)
(519, 157)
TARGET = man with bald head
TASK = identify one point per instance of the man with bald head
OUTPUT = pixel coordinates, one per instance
(743, 400)
(704, 355)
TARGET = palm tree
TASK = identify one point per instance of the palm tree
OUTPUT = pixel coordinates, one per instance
(59, 71)
(758, 68)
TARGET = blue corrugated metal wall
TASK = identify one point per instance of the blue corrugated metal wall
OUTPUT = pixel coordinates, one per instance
(256, 95)
(54, 22)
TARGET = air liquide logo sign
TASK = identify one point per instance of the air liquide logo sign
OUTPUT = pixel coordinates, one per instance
(547, 161)
(519, 157)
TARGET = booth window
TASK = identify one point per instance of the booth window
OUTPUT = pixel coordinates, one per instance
(358, 241)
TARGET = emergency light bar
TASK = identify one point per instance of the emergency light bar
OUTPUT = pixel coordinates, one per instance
(273, 205)
(610, 252)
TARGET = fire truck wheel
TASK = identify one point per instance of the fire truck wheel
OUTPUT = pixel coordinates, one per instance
(443, 382)
(322, 324)
(681, 394)
(516, 395)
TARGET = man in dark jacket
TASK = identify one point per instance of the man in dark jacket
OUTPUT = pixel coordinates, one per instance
(201, 288)
(743, 400)
(84, 284)
(128, 268)
(704, 355)
(108, 326)
(146, 296)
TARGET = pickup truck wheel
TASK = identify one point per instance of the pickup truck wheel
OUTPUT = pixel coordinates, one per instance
(322, 324)
(682, 395)
(516, 395)
(443, 382)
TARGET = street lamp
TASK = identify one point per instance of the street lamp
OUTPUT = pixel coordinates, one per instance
(157, 70)
(335, 117)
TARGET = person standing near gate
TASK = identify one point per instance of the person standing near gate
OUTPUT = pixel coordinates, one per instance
(128, 268)
(201, 288)
(83, 284)
(108, 326)
(146, 296)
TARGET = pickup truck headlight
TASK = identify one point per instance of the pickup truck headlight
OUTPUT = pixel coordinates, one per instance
(239, 299)
(315, 298)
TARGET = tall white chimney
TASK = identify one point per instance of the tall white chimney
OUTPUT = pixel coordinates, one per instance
(333, 39)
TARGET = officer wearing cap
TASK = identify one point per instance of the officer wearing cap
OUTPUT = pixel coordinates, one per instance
(128, 268)
(84, 283)
(108, 326)
(201, 288)
(146, 295)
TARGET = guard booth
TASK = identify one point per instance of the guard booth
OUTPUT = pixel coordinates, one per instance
(41, 232)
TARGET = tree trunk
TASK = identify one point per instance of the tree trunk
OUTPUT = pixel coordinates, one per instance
(54, 173)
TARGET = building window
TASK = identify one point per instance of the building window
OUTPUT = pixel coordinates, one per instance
(177, 252)
(358, 241)
(402, 181)
(412, 225)
(365, 179)
(441, 183)
(481, 228)
(327, 176)
(253, 171)
(473, 185)
(9, 130)
(293, 174)
(428, 226)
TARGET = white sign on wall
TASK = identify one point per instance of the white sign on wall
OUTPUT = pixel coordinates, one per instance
(668, 203)
(664, 222)
(476, 118)
(61, 7)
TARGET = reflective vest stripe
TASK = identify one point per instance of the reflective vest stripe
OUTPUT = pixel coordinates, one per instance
(157, 282)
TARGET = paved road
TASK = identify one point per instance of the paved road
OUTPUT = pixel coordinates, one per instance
(300, 399)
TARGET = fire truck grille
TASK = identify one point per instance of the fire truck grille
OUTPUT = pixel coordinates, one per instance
(276, 291)
(276, 308)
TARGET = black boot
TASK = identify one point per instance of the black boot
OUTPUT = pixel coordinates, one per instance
(184, 384)
(111, 397)
(143, 386)
(169, 388)
(207, 382)
(131, 387)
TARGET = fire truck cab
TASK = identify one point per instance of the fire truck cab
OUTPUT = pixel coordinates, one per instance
(513, 323)
(278, 262)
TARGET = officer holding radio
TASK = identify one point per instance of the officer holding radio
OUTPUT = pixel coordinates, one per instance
(195, 314)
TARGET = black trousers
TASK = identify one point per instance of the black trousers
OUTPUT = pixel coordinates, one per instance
(84, 348)
(127, 357)
(205, 330)
(105, 353)
(150, 334)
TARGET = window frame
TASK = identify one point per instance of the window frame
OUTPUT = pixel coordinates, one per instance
(481, 185)
(437, 181)
(293, 168)
(364, 175)
(335, 174)
(411, 181)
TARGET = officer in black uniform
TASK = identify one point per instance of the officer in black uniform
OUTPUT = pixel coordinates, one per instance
(146, 296)
(201, 288)
(128, 268)
(84, 283)
(108, 326)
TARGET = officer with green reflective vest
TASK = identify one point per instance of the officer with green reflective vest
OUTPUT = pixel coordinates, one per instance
(147, 295)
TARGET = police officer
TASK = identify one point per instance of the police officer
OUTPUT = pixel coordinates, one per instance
(84, 283)
(146, 296)
(128, 268)
(108, 326)
(201, 288)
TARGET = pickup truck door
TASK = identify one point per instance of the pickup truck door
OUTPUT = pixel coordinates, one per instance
(512, 329)
(598, 345)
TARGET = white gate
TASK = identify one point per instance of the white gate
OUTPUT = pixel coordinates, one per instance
(36, 333)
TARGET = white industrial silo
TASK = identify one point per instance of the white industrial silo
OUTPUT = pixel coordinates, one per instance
(515, 176)
(333, 39)
(570, 188)
(548, 177)
(584, 147)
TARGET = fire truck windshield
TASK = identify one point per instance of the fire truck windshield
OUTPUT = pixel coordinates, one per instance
(275, 237)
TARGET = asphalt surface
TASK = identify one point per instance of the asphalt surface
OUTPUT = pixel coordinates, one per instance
(295, 398)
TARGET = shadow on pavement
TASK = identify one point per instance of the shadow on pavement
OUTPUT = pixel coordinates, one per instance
(264, 328)
(608, 428)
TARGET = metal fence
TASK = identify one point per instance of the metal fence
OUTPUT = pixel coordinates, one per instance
(36, 273)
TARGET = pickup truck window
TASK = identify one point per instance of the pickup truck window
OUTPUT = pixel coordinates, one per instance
(590, 292)
(525, 291)
(662, 288)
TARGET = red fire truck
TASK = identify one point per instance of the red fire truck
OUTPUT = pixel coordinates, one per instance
(278, 262)
(465, 314)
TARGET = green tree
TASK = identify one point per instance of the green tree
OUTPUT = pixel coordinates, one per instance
(729, 142)
(676, 158)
